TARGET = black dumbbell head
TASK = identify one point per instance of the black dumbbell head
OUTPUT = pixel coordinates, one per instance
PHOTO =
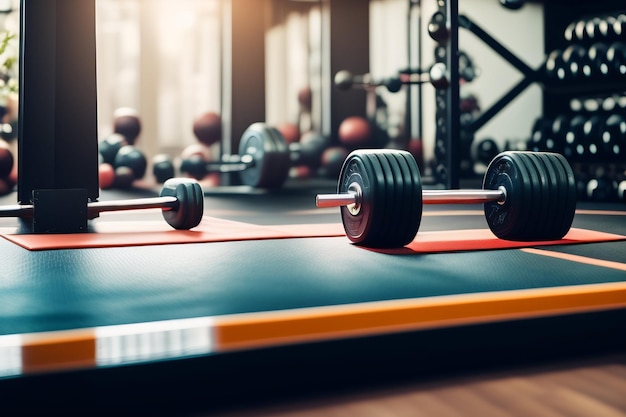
(438, 29)
(162, 168)
(512, 4)
(190, 198)
(131, 157)
(194, 166)
(109, 146)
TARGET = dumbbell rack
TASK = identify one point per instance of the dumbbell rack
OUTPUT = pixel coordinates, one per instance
(588, 96)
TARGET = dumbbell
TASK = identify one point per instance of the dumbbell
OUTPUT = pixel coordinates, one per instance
(181, 201)
(597, 61)
(614, 137)
(110, 146)
(486, 149)
(126, 122)
(527, 196)
(574, 137)
(128, 162)
(437, 76)
(581, 30)
(512, 4)
(163, 168)
(602, 188)
(539, 134)
(606, 27)
(438, 29)
(576, 62)
(616, 58)
(263, 161)
(555, 66)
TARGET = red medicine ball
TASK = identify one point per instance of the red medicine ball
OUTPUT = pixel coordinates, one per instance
(208, 128)
(355, 131)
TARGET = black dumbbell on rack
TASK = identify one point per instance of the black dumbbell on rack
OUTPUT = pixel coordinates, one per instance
(600, 61)
(606, 27)
(597, 137)
(264, 158)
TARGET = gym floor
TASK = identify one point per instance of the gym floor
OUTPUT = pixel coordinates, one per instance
(267, 309)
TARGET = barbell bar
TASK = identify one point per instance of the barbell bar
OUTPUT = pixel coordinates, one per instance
(436, 75)
(428, 197)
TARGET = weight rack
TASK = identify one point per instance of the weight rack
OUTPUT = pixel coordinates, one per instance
(591, 97)
(453, 138)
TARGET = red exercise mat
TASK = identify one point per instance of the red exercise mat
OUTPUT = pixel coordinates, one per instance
(140, 233)
(482, 239)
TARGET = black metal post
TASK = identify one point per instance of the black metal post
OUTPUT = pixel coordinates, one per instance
(57, 144)
(453, 97)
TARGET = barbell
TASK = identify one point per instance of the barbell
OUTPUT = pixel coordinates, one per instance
(181, 201)
(436, 75)
(527, 196)
(264, 158)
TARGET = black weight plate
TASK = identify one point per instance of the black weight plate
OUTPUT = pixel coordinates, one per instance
(399, 216)
(356, 170)
(379, 202)
(537, 207)
(269, 156)
(544, 207)
(280, 161)
(387, 211)
(413, 195)
(394, 193)
(567, 186)
(190, 203)
(529, 206)
(389, 202)
(509, 219)
(556, 200)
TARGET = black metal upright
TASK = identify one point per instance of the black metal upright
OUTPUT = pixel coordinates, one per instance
(453, 100)
(448, 118)
(57, 144)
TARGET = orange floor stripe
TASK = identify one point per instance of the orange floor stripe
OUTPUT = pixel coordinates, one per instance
(66, 350)
(144, 342)
(577, 258)
(322, 323)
